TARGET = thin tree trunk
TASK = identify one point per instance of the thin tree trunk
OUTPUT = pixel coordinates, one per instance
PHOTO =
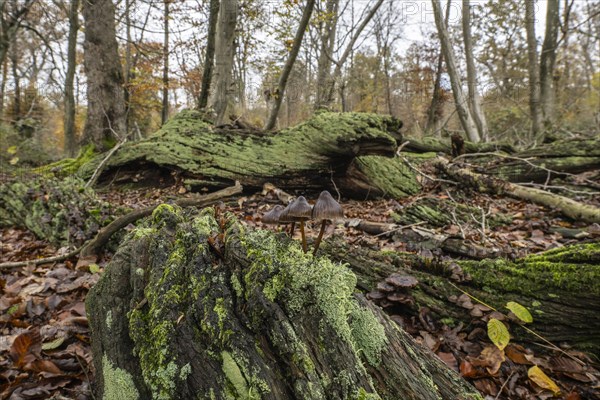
(209, 57)
(436, 106)
(534, 73)
(474, 99)
(326, 53)
(548, 61)
(275, 105)
(224, 53)
(462, 104)
(14, 59)
(69, 122)
(165, 82)
(106, 100)
(3, 87)
(127, 76)
(337, 73)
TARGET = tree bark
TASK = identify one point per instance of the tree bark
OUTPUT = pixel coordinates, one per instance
(206, 315)
(209, 57)
(462, 104)
(436, 108)
(69, 119)
(534, 74)
(224, 53)
(165, 79)
(275, 104)
(106, 101)
(474, 98)
(548, 61)
(327, 37)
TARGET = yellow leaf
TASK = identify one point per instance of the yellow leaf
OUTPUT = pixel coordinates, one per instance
(94, 268)
(498, 333)
(12, 150)
(521, 312)
(542, 380)
(14, 160)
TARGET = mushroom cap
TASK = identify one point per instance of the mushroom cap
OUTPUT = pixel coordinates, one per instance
(327, 208)
(273, 215)
(402, 281)
(298, 210)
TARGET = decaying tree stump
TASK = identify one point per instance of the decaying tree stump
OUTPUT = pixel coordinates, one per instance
(193, 306)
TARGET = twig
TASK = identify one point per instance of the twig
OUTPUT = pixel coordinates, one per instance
(37, 261)
(100, 167)
(425, 175)
(400, 228)
(503, 385)
(556, 187)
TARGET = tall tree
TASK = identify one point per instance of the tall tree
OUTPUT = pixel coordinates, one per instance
(209, 57)
(165, 82)
(548, 61)
(275, 105)
(327, 37)
(10, 22)
(434, 113)
(462, 104)
(69, 118)
(534, 73)
(106, 101)
(474, 99)
(224, 53)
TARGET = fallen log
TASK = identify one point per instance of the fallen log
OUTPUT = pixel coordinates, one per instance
(307, 156)
(570, 208)
(194, 305)
(561, 287)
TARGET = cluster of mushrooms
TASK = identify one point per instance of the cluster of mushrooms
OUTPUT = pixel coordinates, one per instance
(325, 210)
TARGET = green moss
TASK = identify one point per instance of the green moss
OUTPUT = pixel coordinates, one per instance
(118, 383)
(238, 386)
(570, 268)
(391, 175)
(368, 334)
(362, 394)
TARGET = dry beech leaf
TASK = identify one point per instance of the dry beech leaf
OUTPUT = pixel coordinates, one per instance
(25, 347)
(542, 380)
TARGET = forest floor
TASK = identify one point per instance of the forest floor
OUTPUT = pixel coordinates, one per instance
(45, 340)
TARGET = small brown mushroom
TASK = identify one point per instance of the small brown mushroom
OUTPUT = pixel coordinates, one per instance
(325, 209)
(298, 211)
(272, 217)
(402, 281)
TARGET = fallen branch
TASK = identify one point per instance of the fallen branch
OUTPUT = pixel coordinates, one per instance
(570, 208)
(93, 246)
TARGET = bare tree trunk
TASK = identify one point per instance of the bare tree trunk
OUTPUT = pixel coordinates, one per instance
(10, 26)
(548, 61)
(106, 100)
(14, 59)
(474, 99)
(534, 74)
(462, 104)
(69, 122)
(337, 73)
(165, 82)
(326, 53)
(128, 64)
(436, 107)
(224, 52)
(3, 87)
(209, 57)
(289, 64)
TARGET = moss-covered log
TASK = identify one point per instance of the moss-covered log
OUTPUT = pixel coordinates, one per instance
(306, 156)
(193, 306)
(561, 287)
(63, 211)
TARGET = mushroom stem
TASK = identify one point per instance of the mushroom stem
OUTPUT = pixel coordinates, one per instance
(304, 247)
(292, 230)
(321, 232)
